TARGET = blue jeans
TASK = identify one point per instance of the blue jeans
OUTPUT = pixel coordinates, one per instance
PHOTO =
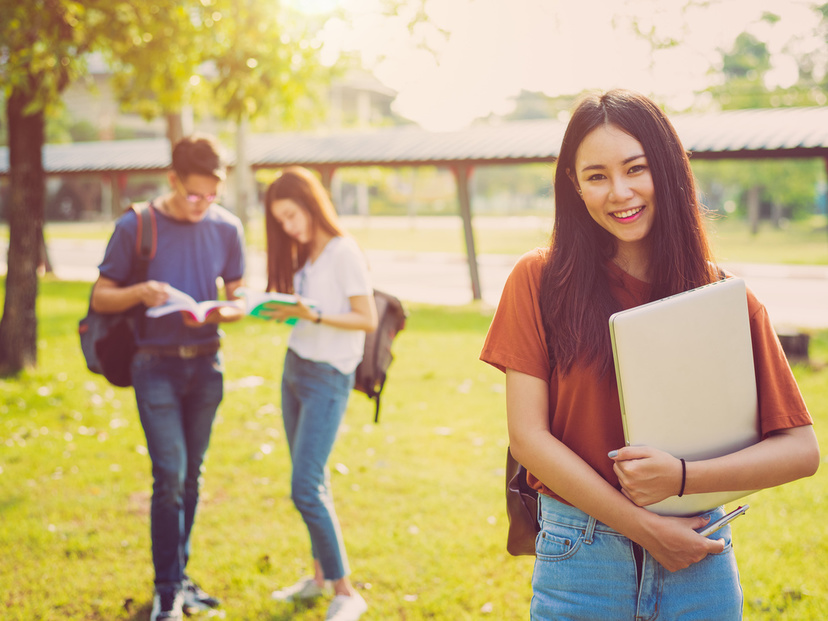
(314, 398)
(177, 402)
(585, 570)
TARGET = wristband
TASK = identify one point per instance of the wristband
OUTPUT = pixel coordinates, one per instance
(683, 478)
(318, 317)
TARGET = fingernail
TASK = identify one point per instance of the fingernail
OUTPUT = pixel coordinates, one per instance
(612, 454)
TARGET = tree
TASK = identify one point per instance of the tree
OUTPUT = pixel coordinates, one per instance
(266, 63)
(749, 75)
(742, 73)
(154, 66)
(43, 44)
(157, 48)
(234, 59)
(786, 185)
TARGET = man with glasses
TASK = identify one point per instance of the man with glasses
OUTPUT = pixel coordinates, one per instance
(177, 371)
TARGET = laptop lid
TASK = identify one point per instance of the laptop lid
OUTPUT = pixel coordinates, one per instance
(686, 381)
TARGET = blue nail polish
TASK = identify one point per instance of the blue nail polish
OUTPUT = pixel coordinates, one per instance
(612, 454)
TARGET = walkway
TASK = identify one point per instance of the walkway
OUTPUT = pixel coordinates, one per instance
(796, 296)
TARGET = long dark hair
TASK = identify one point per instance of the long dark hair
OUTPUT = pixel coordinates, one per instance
(575, 297)
(284, 254)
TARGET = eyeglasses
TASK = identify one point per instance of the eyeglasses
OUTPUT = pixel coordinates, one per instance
(194, 198)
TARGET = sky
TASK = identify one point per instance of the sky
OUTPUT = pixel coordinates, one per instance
(472, 57)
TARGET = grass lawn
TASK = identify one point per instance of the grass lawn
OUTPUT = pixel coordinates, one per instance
(802, 242)
(420, 495)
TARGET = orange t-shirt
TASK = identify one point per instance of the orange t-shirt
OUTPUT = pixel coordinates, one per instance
(584, 412)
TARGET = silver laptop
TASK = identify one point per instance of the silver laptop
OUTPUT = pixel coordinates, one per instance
(686, 381)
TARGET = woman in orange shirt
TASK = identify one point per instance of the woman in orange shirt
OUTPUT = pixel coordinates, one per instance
(627, 230)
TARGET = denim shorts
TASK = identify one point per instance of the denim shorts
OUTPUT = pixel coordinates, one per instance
(585, 570)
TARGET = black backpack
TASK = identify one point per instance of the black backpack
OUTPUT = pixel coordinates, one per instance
(372, 371)
(108, 340)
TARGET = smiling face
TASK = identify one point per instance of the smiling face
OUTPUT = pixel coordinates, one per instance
(614, 179)
(294, 220)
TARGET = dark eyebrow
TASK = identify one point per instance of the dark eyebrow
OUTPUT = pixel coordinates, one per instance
(601, 166)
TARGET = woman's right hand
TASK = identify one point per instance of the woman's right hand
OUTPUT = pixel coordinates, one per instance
(674, 542)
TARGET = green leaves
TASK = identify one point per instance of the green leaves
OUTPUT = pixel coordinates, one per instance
(266, 61)
(236, 59)
(45, 44)
(156, 56)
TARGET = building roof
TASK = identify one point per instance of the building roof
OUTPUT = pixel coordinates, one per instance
(781, 132)
(515, 142)
(777, 132)
(149, 155)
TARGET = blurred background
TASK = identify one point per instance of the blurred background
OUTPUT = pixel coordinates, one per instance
(150, 71)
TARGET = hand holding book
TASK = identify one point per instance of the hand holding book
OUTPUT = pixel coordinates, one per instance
(265, 305)
(276, 306)
(196, 312)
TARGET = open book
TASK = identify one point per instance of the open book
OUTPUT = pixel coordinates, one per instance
(254, 303)
(180, 301)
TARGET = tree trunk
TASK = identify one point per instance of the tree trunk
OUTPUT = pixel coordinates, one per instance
(18, 327)
(753, 207)
(241, 173)
(175, 128)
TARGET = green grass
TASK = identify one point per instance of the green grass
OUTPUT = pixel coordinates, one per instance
(802, 242)
(487, 240)
(420, 496)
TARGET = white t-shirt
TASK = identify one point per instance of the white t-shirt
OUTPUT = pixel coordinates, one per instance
(339, 273)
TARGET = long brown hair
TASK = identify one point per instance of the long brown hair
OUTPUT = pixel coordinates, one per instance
(284, 254)
(575, 297)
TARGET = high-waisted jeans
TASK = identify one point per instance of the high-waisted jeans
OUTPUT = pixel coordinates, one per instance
(314, 398)
(585, 571)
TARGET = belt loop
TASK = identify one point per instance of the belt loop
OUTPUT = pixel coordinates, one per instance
(590, 530)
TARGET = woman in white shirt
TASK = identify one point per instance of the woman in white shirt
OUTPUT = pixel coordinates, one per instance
(309, 254)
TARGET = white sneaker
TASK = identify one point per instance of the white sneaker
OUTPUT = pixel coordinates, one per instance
(306, 588)
(167, 605)
(346, 608)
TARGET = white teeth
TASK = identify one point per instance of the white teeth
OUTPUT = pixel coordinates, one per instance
(628, 213)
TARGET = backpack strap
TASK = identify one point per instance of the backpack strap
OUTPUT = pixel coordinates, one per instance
(377, 401)
(146, 242)
(146, 239)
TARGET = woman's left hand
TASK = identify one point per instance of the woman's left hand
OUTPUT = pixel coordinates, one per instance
(647, 475)
(281, 312)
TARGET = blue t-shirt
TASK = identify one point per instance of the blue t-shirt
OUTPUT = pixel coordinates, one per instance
(190, 256)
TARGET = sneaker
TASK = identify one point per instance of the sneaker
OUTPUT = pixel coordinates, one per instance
(195, 598)
(167, 605)
(306, 588)
(346, 608)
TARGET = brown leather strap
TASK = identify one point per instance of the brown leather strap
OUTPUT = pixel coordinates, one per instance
(182, 351)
